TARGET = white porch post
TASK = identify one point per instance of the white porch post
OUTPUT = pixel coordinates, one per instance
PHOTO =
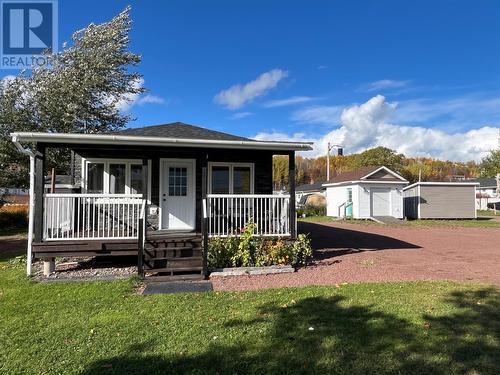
(31, 214)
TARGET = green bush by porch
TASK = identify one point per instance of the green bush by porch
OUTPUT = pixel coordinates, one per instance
(250, 251)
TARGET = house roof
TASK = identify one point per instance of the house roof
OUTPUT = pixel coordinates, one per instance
(181, 130)
(318, 186)
(364, 173)
(168, 135)
(486, 182)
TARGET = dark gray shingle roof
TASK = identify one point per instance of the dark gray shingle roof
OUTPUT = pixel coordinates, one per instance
(318, 186)
(485, 182)
(180, 130)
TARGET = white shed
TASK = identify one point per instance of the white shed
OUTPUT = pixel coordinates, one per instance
(365, 193)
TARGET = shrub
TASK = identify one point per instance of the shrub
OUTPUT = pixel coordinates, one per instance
(311, 210)
(13, 217)
(249, 250)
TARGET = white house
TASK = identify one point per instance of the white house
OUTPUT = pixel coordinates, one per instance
(365, 193)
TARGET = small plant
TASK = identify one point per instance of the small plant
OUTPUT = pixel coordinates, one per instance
(311, 210)
(249, 250)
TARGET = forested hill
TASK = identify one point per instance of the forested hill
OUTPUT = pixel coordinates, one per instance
(311, 170)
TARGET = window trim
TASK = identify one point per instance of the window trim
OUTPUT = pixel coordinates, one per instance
(231, 174)
(128, 173)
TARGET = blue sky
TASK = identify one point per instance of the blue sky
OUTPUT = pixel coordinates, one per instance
(421, 77)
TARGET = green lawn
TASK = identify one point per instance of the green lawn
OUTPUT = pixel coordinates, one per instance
(105, 327)
(21, 232)
(479, 223)
(487, 213)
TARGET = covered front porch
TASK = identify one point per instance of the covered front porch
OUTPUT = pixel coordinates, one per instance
(158, 202)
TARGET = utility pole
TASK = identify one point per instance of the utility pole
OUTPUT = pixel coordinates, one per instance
(328, 149)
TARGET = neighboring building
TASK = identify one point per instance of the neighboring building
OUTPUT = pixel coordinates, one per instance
(62, 184)
(187, 183)
(486, 192)
(440, 200)
(303, 192)
(366, 193)
(14, 196)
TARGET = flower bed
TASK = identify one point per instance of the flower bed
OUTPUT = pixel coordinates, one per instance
(248, 250)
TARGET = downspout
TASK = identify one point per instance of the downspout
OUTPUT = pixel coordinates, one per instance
(31, 201)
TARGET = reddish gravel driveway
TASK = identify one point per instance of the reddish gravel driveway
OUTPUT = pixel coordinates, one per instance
(357, 253)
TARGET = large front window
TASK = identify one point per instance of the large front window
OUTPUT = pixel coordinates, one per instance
(231, 178)
(113, 176)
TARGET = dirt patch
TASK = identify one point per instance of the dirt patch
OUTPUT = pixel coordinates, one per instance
(367, 253)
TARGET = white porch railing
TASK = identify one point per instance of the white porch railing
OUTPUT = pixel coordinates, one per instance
(229, 213)
(91, 216)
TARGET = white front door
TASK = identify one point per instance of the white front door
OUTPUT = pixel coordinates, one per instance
(381, 201)
(177, 194)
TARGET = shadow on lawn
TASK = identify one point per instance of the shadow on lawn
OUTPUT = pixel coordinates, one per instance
(345, 339)
(329, 242)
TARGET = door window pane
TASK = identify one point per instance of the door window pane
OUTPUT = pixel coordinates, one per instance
(136, 179)
(95, 178)
(117, 178)
(241, 180)
(177, 181)
(220, 180)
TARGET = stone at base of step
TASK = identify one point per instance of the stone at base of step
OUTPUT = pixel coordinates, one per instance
(177, 287)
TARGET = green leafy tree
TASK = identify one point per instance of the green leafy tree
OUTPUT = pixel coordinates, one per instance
(81, 92)
(380, 156)
(490, 165)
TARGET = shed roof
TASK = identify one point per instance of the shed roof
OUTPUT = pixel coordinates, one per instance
(441, 183)
(364, 173)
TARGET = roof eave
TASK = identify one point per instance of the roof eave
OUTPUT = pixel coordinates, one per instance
(98, 139)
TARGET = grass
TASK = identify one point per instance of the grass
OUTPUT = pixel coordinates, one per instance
(487, 213)
(479, 223)
(105, 327)
(18, 232)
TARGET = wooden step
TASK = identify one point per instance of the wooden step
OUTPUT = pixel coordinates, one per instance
(171, 253)
(175, 269)
(174, 263)
(190, 277)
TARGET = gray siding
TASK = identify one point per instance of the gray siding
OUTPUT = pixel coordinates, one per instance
(446, 201)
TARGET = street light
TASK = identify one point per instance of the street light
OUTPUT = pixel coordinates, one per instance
(340, 151)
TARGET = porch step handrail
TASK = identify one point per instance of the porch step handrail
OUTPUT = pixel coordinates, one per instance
(91, 216)
(229, 214)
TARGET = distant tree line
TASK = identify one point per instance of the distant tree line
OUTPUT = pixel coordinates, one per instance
(311, 170)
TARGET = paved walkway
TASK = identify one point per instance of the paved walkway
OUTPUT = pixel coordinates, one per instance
(360, 252)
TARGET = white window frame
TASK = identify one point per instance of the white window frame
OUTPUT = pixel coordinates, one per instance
(128, 174)
(231, 174)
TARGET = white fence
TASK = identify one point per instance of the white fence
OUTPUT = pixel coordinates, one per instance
(91, 216)
(228, 214)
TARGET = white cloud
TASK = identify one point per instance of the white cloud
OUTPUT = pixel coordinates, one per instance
(238, 95)
(287, 101)
(126, 103)
(386, 84)
(150, 99)
(369, 125)
(329, 115)
(240, 115)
